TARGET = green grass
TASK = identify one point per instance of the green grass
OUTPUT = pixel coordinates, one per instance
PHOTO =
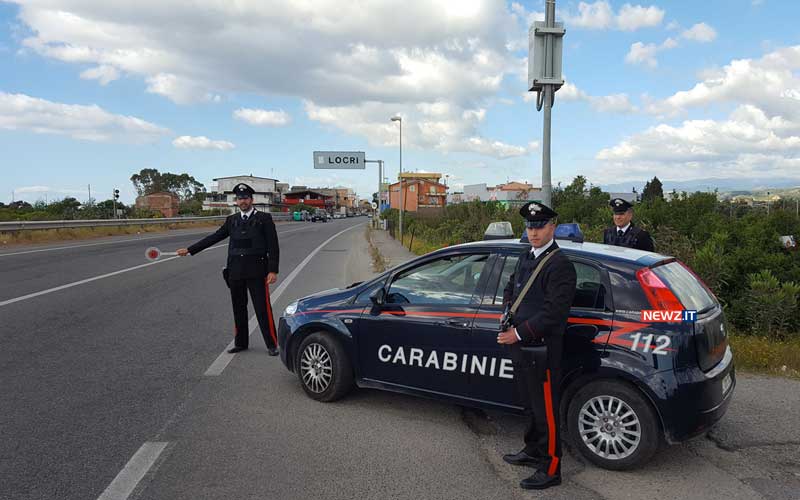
(765, 355)
(32, 236)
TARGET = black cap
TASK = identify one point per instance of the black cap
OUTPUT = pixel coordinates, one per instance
(620, 206)
(537, 214)
(242, 190)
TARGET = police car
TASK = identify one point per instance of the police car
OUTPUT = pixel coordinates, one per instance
(646, 355)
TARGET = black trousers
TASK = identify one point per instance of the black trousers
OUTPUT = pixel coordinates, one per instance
(259, 293)
(539, 393)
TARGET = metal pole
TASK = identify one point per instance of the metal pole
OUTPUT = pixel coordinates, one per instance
(547, 186)
(402, 195)
(90, 193)
(114, 199)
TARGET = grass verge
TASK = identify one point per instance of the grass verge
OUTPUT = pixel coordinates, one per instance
(32, 236)
(378, 262)
(768, 356)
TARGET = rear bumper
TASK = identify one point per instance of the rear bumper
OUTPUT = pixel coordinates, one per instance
(693, 400)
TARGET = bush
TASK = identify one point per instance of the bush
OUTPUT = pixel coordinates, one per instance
(771, 305)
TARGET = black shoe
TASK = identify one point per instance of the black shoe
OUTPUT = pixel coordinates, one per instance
(523, 458)
(540, 481)
(272, 351)
(235, 349)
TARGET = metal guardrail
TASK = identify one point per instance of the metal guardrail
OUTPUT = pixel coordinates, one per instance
(64, 224)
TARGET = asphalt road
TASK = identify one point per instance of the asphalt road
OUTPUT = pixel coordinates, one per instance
(105, 395)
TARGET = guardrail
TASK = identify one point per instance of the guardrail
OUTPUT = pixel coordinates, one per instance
(64, 224)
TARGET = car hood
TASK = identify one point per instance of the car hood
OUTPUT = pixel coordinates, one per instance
(327, 298)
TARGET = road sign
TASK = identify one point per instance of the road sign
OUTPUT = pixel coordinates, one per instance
(374, 206)
(347, 160)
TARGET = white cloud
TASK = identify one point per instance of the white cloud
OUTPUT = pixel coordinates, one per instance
(103, 74)
(334, 55)
(700, 32)
(645, 53)
(201, 142)
(760, 137)
(263, 117)
(89, 123)
(600, 15)
(641, 53)
(32, 189)
(614, 103)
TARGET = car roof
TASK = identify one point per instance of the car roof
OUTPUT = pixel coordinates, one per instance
(591, 250)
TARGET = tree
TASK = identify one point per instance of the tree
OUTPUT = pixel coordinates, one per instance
(150, 180)
(653, 190)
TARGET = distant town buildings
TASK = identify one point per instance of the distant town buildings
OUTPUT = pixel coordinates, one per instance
(265, 198)
(510, 194)
(421, 192)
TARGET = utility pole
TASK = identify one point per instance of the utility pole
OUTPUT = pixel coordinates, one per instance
(402, 195)
(90, 195)
(545, 42)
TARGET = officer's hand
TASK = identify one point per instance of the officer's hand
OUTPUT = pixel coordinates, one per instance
(507, 337)
(272, 278)
(183, 252)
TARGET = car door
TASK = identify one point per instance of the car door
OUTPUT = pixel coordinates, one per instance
(418, 338)
(587, 330)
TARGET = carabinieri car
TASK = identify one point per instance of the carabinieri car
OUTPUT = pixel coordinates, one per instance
(429, 328)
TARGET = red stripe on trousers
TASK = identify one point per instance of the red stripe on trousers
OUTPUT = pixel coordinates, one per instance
(551, 427)
(269, 315)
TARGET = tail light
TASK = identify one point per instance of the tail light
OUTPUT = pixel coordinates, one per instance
(657, 292)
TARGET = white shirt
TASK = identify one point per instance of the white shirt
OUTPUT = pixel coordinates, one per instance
(623, 229)
(536, 253)
(248, 213)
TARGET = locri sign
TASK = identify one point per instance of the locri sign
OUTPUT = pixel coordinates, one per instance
(348, 160)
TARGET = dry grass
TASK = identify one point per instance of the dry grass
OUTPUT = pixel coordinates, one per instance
(765, 355)
(378, 262)
(33, 236)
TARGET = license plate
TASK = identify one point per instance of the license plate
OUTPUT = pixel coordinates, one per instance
(726, 384)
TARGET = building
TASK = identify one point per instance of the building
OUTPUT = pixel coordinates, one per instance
(164, 202)
(510, 194)
(307, 197)
(266, 194)
(422, 192)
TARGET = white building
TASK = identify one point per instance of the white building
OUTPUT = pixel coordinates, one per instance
(265, 196)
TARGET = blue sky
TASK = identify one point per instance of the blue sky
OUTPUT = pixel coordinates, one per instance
(91, 92)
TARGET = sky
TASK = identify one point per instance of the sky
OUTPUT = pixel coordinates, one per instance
(92, 91)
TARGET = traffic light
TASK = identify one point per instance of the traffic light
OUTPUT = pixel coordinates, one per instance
(116, 194)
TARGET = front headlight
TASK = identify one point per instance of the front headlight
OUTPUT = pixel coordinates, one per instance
(290, 309)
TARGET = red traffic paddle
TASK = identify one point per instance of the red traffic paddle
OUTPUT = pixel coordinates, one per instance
(152, 254)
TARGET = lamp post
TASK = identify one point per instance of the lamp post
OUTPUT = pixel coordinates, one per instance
(402, 197)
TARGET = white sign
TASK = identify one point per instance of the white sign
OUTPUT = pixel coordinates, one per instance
(348, 160)
(374, 206)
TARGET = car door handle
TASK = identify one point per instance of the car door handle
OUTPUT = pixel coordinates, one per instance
(457, 322)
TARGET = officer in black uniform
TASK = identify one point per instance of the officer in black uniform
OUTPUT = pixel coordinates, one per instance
(541, 319)
(624, 233)
(252, 265)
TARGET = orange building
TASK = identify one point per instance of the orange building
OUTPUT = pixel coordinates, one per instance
(166, 203)
(422, 191)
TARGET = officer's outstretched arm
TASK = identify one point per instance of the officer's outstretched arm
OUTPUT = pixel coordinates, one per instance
(213, 238)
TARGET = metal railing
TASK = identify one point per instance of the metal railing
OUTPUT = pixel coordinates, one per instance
(64, 224)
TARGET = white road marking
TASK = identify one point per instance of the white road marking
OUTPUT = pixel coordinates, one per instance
(224, 358)
(89, 280)
(50, 249)
(133, 472)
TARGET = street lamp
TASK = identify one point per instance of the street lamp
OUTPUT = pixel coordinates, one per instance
(402, 197)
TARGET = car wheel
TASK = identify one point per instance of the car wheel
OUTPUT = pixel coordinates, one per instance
(324, 368)
(613, 425)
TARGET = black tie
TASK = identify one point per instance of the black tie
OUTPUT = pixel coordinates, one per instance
(620, 232)
(244, 217)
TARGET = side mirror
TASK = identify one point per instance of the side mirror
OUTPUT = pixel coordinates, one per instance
(378, 297)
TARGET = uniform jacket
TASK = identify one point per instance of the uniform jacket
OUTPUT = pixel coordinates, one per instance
(544, 311)
(252, 248)
(634, 237)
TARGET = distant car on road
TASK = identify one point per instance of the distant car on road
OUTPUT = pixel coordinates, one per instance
(320, 215)
(646, 355)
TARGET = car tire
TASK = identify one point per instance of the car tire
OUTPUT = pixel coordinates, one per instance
(613, 444)
(323, 367)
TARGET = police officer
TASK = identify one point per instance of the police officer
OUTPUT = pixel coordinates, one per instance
(252, 265)
(624, 233)
(541, 319)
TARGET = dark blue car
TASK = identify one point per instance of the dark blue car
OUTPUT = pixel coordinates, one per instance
(646, 356)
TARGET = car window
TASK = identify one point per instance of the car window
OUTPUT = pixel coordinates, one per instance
(590, 292)
(508, 269)
(447, 280)
(692, 293)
